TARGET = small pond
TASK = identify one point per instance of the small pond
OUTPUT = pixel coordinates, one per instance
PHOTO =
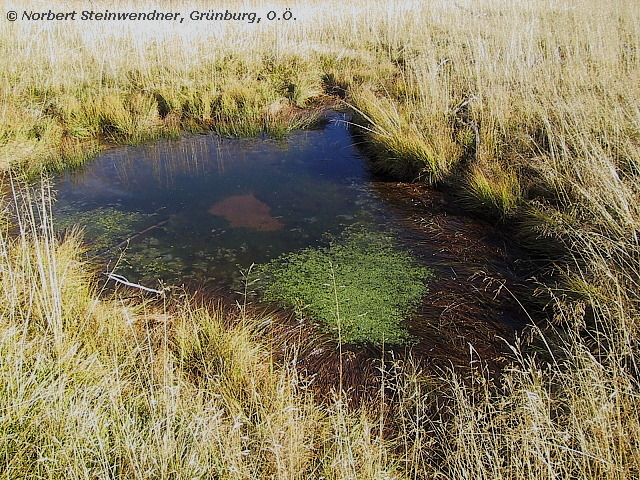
(203, 208)
(200, 210)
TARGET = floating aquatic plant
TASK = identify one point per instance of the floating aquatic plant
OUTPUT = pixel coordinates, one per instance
(361, 287)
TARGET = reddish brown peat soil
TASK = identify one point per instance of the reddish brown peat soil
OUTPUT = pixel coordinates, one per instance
(247, 211)
(475, 299)
(471, 311)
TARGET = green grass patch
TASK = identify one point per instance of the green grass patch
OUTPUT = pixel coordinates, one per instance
(361, 287)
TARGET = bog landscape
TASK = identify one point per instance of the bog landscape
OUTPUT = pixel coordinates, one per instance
(320, 240)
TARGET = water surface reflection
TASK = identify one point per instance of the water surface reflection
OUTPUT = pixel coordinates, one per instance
(202, 208)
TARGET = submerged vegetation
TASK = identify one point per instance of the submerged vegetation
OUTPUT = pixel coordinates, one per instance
(361, 287)
(107, 227)
(527, 110)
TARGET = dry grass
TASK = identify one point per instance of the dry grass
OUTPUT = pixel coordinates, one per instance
(529, 109)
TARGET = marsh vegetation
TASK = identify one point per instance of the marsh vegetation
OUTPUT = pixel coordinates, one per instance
(361, 287)
(525, 111)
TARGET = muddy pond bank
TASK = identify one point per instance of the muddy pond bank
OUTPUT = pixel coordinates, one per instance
(471, 310)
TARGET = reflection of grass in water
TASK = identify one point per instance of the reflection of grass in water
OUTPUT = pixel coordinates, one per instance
(360, 286)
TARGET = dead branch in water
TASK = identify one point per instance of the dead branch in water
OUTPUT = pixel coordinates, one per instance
(140, 233)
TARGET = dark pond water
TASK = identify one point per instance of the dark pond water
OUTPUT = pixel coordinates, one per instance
(203, 209)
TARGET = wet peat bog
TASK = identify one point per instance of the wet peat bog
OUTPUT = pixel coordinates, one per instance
(200, 210)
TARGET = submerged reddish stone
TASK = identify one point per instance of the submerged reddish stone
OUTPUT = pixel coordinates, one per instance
(247, 211)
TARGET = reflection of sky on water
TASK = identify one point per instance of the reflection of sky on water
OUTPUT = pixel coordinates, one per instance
(314, 182)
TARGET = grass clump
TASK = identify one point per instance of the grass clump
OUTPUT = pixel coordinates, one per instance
(402, 140)
(496, 192)
(361, 287)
